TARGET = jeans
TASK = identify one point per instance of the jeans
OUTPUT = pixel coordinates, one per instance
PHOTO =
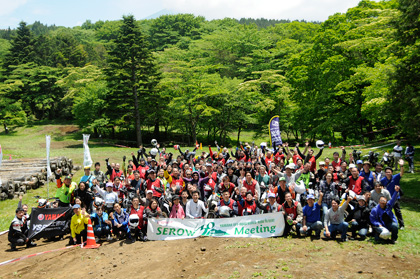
(316, 226)
(392, 227)
(363, 230)
(335, 228)
(324, 210)
(410, 160)
(288, 228)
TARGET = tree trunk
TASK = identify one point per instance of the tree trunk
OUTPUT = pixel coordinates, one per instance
(156, 131)
(136, 108)
(239, 133)
(6, 130)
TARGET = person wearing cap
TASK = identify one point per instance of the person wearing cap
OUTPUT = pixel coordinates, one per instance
(87, 177)
(18, 231)
(334, 219)
(227, 201)
(177, 211)
(389, 182)
(271, 206)
(77, 225)
(359, 217)
(282, 190)
(359, 165)
(109, 196)
(312, 216)
(368, 175)
(292, 211)
(154, 184)
(382, 217)
(64, 189)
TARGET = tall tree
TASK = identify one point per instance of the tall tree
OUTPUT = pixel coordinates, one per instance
(131, 75)
(22, 49)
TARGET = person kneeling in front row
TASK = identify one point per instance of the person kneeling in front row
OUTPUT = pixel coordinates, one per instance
(335, 219)
(18, 231)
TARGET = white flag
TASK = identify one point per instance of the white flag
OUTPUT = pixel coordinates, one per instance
(87, 160)
(47, 145)
(1, 155)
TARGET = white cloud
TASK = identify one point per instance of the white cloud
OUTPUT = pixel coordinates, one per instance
(270, 9)
(8, 7)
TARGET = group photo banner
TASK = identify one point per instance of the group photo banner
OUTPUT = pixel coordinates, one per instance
(49, 222)
(258, 226)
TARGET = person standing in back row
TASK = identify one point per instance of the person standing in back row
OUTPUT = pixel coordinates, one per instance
(409, 155)
(397, 153)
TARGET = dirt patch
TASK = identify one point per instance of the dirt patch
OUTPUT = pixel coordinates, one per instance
(68, 129)
(213, 258)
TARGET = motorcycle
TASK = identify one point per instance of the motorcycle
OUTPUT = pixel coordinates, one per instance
(356, 154)
(372, 157)
(387, 159)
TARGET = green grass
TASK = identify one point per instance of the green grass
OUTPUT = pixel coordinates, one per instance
(29, 142)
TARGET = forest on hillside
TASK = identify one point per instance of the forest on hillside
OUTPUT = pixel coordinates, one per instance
(354, 76)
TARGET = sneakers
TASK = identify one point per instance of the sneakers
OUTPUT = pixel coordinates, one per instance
(109, 238)
(344, 239)
(30, 244)
(402, 228)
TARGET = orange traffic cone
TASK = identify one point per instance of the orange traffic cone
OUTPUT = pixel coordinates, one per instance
(90, 243)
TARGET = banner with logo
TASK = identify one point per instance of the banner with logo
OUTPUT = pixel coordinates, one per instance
(49, 222)
(274, 130)
(87, 160)
(258, 226)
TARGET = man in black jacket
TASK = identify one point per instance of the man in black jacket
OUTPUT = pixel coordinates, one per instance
(18, 231)
(360, 218)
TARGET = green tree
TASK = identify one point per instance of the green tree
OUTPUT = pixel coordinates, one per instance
(22, 47)
(131, 75)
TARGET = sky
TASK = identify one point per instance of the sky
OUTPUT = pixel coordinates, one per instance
(73, 13)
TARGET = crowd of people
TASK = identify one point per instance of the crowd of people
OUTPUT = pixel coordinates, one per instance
(339, 195)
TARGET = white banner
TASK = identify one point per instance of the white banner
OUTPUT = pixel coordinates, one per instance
(47, 145)
(87, 160)
(1, 155)
(258, 226)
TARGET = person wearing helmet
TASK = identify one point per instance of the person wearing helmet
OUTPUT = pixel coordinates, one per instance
(137, 210)
(64, 189)
(226, 201)
(382, 218)
(101, 224)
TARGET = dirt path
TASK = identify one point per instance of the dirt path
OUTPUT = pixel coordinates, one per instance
(213, 258)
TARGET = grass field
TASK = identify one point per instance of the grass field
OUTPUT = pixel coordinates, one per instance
(29, 142)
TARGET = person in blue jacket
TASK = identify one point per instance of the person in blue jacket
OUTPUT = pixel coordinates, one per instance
(120, 223)
(101, 223)
(382, 217)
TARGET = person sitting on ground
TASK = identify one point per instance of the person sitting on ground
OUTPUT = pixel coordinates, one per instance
(227, 201)
(312, 216)
(18, 231)
(360, 218)
(334, 219)
(176, 211)
(77, 225)
(292, 211)
(382, 218)
(195, 208)
(101, 224)
(120, 223)
(138, 210)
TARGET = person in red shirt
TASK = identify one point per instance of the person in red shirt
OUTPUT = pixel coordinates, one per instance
(137, 209)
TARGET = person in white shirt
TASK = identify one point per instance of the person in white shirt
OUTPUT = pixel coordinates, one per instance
(195, 207)
(397, 153)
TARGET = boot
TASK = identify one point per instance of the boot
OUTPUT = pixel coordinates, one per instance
(30, 244)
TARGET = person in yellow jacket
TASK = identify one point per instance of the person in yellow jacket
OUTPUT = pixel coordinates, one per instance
(77, 225)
